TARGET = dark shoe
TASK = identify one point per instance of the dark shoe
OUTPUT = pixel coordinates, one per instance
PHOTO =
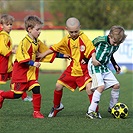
(109, 110)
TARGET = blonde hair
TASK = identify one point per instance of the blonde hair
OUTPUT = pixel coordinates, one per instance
(31, 21)
(5, 19)
(118, 33)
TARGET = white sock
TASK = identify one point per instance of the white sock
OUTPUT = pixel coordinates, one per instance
(94, 102)
(114, 97)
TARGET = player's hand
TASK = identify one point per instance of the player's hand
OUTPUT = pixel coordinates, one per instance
(37, 64)
(83, 61)
(13, 51)
(96, 62)
(118, 69)
(40, 55)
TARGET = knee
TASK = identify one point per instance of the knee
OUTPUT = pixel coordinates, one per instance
(116, 86)
(36, 90)
(58, 87)
(101, 88)
(88, 89)
(16, 96)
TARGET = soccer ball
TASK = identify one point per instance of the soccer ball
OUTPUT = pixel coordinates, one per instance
(120, 110)
(123, 69)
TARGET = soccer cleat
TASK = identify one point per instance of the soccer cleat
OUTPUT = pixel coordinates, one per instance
(54, 111)
(92, 115)
(99, 115)
(109, 110)
(1, 99)
(28, 99)
(37, 114)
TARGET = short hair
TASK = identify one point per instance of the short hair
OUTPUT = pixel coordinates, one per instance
(31, 21)
(118, 32)
(5, 18)
(72, 21)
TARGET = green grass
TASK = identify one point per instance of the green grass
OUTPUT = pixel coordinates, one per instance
(16, 115)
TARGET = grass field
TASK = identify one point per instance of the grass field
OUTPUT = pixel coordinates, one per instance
(16, 115)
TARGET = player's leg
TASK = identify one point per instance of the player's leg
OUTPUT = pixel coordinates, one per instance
(36, 102)
(8, 95)
(85, 82)
(98, 83)
(26, 98)
(65, 80)
(90, 95)
(58, 106)
(112, 82)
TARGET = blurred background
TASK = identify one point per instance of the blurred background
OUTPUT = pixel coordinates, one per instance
(93, 14)
(96, 17)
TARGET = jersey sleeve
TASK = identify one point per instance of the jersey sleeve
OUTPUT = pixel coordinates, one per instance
(22, 54)
(90, 48)
(5, 45)
(61, 47)
(99, 39)
(49, 58)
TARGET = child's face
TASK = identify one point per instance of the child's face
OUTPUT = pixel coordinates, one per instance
(73, 31)
(35, 32)
(114, 42)
(7, 27)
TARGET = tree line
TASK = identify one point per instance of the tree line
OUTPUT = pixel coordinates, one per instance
(93, 14)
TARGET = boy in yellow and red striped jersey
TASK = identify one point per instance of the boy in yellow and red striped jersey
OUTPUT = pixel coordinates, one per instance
(6, 51)
(80, 48)
(26, 66)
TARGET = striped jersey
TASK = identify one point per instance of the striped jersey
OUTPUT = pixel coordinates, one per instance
(77, 49)
(26, 51)
(5, 52)
(104, 50)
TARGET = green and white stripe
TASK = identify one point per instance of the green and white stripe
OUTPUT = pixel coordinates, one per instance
(104, 50)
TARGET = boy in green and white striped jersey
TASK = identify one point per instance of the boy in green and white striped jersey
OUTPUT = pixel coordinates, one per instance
(102, 77)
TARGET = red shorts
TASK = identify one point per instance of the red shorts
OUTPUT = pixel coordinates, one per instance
(19, 88)
(5, 77)
(72, 82)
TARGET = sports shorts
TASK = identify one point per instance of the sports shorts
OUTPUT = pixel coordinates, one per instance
(107, 79)
(72, 82)
(4, 77)
(19, 88)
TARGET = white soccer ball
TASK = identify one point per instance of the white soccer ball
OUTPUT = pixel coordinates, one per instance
(124, 69)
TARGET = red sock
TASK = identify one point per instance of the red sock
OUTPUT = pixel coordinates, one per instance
(24, 95)
(37, 102)
(90, 98)
(8, 95)
(57, 98)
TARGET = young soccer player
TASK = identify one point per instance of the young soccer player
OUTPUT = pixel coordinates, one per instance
(26, 66)
(102, 77)
(6, 51)
(79, 47)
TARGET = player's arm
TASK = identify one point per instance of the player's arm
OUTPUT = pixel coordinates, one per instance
(33, 63)
(115, 65)
(50, 51)
(94, 60)
(60, 55)
(42, 55)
